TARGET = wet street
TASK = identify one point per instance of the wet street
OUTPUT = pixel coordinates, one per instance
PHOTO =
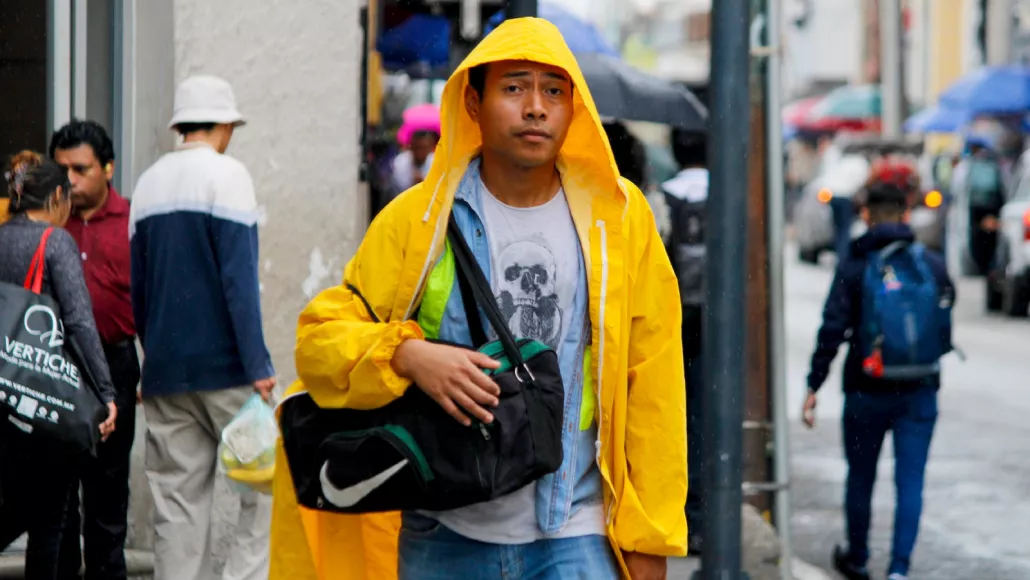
(976, 517)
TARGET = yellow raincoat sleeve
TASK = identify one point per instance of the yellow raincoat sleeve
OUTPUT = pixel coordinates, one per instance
(651, 519)
(343, 356)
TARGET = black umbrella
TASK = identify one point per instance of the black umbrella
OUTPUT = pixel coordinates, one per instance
(624, 92)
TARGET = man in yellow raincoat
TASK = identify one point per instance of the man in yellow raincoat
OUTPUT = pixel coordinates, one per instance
(576, 262)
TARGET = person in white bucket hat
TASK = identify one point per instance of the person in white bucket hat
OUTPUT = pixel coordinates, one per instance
(196, 300)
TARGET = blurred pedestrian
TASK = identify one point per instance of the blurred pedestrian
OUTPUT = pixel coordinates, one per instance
(99, 223)
(37, 478)
(891, 301)
(575, 261)
(418, 136)
(686, 196)
(194, 240)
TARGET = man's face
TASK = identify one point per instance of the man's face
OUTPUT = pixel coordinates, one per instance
(422, 144)
(88, 178)
(524, 112)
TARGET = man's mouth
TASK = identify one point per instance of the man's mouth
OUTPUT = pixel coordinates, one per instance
(534, 136)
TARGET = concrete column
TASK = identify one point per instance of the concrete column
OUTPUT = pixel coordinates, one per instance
(999, 31)
(295, 69)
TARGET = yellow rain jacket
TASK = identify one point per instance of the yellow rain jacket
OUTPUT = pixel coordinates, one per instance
(343, 358)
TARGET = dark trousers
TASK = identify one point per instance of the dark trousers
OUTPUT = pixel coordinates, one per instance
(910, 416)
(695, 434)
(692, 331)
(843, 214)
(35, 484)
(105, 483)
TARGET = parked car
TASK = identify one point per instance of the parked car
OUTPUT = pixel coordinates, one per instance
(1008, 282)
(840, 175)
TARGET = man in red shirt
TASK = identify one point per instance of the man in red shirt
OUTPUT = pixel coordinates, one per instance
(100, 226)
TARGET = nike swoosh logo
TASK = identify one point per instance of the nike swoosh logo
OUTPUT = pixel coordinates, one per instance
(351, 495)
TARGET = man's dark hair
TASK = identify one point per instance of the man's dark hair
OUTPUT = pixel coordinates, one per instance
(79, 132)
(477, 78)
(187, 128)
(690, 149)
(886, 202)
(630, 154)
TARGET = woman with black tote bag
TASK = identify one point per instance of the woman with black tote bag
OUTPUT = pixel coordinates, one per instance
(36, 475)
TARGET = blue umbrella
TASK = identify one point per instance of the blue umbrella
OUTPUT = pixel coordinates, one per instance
(937, 119)
(990, 90)
(581, 36)
(423, 40)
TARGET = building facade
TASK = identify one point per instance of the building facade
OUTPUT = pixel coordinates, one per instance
(296, 70)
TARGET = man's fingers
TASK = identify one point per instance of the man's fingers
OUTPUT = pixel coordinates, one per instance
(480, 379)
(479, 394)
(482, 361)
(466, 402)
(451, 409)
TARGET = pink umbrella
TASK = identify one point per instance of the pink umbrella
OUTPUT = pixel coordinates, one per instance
(419, 118)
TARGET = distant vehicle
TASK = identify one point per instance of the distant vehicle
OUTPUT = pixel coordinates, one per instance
(1008, 282)
(843, 173)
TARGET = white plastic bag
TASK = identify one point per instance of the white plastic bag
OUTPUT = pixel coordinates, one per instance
(246, 455)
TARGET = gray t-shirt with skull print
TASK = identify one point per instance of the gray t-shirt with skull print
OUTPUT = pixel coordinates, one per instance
(535, 266)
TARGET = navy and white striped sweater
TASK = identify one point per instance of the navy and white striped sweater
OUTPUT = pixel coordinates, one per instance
(195, 289)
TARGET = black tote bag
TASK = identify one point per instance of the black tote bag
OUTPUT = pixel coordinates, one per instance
(45, 393)
(410, 454)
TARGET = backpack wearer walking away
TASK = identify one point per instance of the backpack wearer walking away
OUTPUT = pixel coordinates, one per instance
(193, 226)
(891, 300)
(570, 253)
(686, 196)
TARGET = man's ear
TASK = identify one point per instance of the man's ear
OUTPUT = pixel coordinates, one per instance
(472, 103)
(109, 171)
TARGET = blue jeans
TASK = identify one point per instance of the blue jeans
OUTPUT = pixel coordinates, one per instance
(843, 214)
(910, 416)
(431, 551)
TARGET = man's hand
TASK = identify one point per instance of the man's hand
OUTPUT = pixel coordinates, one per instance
(451, 376)
(808, 411)
(645, 566)
(107, 427)
(264, 387)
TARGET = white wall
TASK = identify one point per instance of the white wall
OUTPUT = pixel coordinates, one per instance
(295, 68)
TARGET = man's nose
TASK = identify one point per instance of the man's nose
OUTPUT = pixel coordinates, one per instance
(534, 107)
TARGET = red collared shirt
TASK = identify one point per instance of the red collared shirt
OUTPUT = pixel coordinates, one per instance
(104, 245)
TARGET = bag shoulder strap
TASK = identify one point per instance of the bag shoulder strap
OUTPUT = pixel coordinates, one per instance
(468, 302)
(34, 278)
(476, 282)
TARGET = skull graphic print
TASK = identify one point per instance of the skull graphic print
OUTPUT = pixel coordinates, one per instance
(527, 293)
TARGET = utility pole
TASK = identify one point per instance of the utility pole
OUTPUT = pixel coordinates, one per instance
(520, 8)
(892, 82)
(725, 319)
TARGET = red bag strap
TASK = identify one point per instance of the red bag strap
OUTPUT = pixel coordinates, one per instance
(34, 279)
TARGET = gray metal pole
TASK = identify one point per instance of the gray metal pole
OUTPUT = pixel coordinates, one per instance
(777, 334)
(520, 8)
(725, 321)
(892, 84)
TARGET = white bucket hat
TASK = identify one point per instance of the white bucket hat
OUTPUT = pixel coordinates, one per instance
(205, 99)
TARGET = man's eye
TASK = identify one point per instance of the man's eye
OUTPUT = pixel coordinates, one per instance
(555, 92)
(511, 88)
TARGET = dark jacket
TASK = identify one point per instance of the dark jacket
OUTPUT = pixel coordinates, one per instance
(842, 314)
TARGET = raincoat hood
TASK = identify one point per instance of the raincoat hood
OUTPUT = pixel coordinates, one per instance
(585, 157)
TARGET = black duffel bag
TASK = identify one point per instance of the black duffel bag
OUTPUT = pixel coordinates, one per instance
(412, 455)
(45, 393)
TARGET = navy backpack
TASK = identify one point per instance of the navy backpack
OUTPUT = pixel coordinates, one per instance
(906, 322)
